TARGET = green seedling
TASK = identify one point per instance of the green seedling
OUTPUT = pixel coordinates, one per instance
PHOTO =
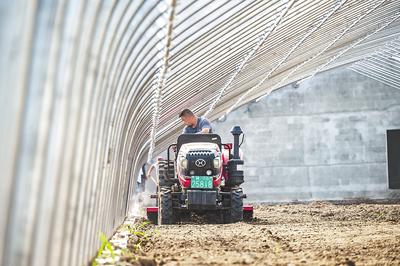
(143, 232)
(105, 246)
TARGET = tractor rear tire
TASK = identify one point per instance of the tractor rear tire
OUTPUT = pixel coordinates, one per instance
(171, 170)
(165, 174)
(167, 210)
(235, 214)
(235, 181)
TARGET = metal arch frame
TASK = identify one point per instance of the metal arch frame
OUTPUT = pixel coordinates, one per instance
(103, 67)
(381, 65)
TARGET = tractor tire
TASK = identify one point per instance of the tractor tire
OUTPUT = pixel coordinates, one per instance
(235, 181)
(235, 214)
(165, 174)
(171, 170)
(167, 210)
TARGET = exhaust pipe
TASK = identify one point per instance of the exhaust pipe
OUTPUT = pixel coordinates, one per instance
(236, 176)
(236, 132)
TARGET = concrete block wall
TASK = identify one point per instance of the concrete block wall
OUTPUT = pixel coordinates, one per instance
(325, 140)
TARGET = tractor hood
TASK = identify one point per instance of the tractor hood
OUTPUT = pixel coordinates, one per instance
(198, 147)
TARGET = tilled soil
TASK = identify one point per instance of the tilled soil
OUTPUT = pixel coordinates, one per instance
(310, 234)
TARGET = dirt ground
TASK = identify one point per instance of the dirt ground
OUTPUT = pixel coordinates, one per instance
(318, 233)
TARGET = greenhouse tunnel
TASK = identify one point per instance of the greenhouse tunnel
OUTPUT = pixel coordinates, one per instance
(91, 90)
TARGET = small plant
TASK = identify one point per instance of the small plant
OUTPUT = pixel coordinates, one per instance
(139, 235)
(105, 246)
(142, 233)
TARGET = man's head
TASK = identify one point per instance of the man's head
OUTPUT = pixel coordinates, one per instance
(188, 118)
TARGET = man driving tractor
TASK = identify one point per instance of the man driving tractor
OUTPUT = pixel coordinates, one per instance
(194, 124)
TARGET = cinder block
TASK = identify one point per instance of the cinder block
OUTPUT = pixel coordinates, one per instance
(344, 175)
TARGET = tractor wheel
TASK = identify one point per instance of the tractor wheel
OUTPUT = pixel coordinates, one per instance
(164, 174)
(235, 214)
(167, 211)
(171, 171)
(235, 180)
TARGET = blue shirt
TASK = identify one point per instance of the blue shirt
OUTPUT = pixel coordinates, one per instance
(201, 123)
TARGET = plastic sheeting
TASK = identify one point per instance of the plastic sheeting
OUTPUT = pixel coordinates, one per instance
(78, 96)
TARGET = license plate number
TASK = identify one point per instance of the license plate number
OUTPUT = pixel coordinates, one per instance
(201, 182)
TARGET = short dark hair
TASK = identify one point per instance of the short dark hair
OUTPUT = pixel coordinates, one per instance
(186, 112)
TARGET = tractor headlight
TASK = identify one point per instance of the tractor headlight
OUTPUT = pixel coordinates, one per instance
(183, 163)
(217, 163)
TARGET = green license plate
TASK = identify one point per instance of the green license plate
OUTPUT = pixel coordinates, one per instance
(202, 182)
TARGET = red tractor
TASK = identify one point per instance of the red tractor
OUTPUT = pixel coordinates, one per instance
(204, 177)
